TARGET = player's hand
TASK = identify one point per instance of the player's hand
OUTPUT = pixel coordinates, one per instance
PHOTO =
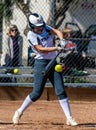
(63, 43)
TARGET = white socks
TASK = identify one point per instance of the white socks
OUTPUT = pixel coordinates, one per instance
(27, 102)
(65, 106)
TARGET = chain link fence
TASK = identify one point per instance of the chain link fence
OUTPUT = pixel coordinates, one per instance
(80, 15)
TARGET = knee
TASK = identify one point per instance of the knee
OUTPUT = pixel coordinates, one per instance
(34, 96)
(62, 95)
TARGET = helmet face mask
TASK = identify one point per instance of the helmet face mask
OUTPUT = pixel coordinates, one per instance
(35, 20)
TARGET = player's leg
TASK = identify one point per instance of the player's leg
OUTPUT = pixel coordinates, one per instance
(57, 81)
(19, 112)
(39, 83)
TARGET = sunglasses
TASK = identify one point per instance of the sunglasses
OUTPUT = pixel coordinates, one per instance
(14, 30)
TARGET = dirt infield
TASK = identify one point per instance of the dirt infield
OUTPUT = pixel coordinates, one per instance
(48, 115)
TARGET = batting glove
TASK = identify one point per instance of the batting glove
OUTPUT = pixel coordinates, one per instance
(62, 43)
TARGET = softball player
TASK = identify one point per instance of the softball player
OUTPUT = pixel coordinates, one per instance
(41, 39)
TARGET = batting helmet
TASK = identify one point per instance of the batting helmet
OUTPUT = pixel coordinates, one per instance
(35, 20)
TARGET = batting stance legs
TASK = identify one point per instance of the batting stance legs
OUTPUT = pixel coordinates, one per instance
(39, 83)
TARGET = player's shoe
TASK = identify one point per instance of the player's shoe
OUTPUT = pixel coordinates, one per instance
(16, 117)
(71, 121)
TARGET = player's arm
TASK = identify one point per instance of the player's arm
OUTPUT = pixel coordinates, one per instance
(62, 42)
(58, 33)
(42, 49)
(39, 47)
